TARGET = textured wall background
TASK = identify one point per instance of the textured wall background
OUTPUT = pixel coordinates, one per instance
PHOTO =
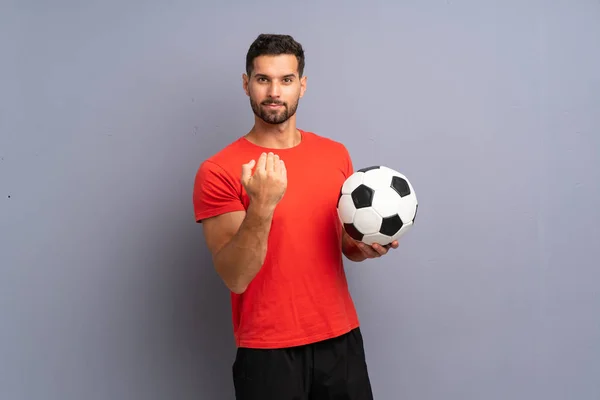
(489, 107)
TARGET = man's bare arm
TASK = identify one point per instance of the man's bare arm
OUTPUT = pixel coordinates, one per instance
(350, 248)
(238, 243)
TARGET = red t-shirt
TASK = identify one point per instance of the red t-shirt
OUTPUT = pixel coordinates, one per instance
(300, 295)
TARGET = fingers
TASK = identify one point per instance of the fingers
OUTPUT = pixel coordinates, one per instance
(247, 170)
(283, 170)
(276, 163)
(376, 250)
(270, 162)
(381, 250)
(369, 251)
(262, 161)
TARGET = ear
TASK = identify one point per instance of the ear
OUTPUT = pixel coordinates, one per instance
(302, 85)
(245, 80)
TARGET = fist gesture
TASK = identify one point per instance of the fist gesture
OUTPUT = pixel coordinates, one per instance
(268, 183)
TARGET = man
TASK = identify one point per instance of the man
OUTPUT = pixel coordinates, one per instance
(267, 202)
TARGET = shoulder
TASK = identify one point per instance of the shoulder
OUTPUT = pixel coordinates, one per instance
(227, 162)
(217, 180)
(217, 185)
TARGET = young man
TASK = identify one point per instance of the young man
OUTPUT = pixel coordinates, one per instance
(267, 202)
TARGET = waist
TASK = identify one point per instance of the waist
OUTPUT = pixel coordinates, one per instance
(289, 316)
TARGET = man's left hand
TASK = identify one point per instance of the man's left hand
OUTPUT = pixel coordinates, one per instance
(375, 250)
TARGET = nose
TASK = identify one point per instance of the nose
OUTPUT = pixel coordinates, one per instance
(274, 89)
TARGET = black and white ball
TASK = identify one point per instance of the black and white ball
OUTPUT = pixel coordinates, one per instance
(377, 205)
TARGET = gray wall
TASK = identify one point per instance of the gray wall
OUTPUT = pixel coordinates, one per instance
(490, 108)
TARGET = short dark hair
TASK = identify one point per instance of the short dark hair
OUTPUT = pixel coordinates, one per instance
(274, 45)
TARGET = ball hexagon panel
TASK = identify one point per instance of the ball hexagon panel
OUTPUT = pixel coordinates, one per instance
(367, 221)
(346, 209)
(362, 196)
(408, 208)
(386, 201)
(378, 178)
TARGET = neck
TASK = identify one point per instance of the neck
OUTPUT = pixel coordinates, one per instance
(281, 136)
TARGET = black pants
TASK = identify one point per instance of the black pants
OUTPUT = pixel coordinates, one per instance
(334, 369)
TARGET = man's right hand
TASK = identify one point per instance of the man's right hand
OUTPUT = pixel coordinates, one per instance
(267, 185)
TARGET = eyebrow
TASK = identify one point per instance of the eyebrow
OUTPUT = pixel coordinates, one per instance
(266, 76)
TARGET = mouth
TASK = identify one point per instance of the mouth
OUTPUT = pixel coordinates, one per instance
(273, 105)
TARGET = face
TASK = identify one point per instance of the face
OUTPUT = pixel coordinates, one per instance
(274, 88)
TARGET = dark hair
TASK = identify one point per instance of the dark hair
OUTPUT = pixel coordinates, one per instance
(274, 45)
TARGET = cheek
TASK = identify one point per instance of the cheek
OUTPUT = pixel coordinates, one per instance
(256, 93)
(293, 93)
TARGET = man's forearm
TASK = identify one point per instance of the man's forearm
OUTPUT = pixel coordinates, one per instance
(350, 249)
(242, 257)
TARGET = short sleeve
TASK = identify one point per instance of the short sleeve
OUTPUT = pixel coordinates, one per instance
(215, 192)
(347, 162)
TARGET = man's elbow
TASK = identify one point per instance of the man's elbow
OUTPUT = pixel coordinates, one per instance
(231, 279)
(235, 284)
(237, 289)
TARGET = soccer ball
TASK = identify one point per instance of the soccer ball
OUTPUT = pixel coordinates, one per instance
(377, 205)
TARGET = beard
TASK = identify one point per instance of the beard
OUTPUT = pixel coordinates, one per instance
(274, 116)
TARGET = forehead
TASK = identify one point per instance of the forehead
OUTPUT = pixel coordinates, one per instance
(283, 64)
